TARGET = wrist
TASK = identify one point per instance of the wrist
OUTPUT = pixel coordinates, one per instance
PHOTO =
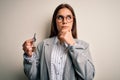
(29, 54)
(72, 43)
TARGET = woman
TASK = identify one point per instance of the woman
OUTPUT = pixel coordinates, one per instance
(62, 56)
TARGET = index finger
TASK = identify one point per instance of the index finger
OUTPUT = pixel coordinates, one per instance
(28, 41)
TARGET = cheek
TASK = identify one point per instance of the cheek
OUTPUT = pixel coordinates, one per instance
(58, 26)
(71, 25)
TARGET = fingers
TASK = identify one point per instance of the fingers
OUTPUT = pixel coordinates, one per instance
(28, 46)
(62, 35)
(27, 42)
(64, 31)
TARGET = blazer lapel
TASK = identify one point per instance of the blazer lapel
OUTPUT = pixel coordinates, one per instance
(48, 50)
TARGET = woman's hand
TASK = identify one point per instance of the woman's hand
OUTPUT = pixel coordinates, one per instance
(28, 47)
(65, 35)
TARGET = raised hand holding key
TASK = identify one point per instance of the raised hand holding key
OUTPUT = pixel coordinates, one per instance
(28, 46)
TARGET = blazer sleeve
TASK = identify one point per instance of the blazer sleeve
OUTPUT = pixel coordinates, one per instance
(81, 60)
(31, 64)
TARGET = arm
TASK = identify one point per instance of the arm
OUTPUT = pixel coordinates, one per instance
(31, 64)
(82, 62)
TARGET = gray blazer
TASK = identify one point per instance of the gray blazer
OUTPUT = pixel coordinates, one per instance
(78, 65)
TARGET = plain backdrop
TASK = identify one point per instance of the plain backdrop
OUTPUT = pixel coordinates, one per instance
(98, 23)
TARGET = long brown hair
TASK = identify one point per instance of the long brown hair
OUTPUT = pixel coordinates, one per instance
(54, 31)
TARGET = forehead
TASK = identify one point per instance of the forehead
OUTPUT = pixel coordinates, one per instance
(64, 11)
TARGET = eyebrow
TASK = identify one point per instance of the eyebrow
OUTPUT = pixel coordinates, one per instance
(66, 15)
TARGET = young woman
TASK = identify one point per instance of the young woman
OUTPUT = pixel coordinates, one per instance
(62, 56)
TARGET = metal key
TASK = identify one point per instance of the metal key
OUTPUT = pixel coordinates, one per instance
(34, 37)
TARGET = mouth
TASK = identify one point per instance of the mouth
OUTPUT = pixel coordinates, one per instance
(64, 27)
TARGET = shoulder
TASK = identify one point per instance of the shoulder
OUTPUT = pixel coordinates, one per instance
(47, 41)
(82, 44)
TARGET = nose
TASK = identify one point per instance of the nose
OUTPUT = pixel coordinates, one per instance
(64, 21)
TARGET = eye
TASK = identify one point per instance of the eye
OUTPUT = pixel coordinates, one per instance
(60, 17)
(69, 17)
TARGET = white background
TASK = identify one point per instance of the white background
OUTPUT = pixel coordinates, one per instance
(98, 23)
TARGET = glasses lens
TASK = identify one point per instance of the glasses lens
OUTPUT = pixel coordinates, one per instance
(61, 18)
(69, 18)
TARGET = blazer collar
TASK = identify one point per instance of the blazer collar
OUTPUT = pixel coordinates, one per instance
(49, 44)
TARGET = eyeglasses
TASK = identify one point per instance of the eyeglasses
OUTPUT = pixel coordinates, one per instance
(61, 18)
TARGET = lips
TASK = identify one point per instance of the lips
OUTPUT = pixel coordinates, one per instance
(64, 27)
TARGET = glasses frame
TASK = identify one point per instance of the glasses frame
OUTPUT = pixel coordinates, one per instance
(64, 17)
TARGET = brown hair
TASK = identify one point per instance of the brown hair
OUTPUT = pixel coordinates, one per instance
(54, 31)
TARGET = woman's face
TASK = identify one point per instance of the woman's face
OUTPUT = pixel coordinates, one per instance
(64, 19)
